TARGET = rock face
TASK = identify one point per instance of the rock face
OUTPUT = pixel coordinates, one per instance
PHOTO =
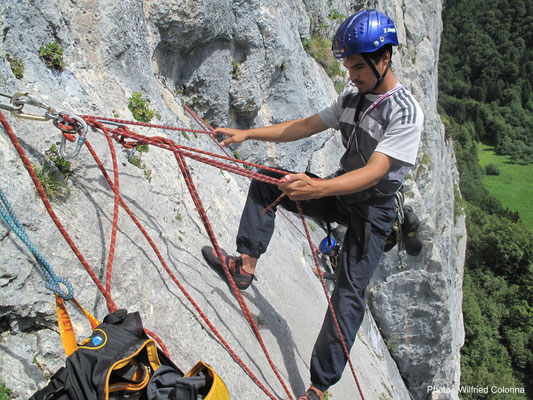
(418, 308)
(241, 64)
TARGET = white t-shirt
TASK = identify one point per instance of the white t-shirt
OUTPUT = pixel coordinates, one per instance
(391, 126)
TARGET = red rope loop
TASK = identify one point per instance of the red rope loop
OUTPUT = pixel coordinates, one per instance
(125, 137)
(200, 155)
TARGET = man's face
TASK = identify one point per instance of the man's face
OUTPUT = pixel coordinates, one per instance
(360, 72)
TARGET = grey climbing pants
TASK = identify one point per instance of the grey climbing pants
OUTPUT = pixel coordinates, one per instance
(368, 224)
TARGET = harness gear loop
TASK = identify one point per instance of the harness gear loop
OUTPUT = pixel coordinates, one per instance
(19, 99)
(76, 125)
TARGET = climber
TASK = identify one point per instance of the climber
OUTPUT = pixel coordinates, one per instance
(380, 123)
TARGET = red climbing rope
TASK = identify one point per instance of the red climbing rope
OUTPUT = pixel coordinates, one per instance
(330, 305)
(112, 244)
(118, 199)
(174, 278)
(128, 139)
(40, 190)
(121, 134)
(144, 124)
(190, 152)
(202, 123)
(236, 291)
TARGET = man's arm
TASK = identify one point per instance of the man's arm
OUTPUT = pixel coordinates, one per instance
(302, 187)
(284, 132)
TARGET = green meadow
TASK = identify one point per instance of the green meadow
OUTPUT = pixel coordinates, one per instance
(513, 187)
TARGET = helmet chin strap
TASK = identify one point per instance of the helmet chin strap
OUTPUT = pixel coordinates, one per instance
(373, 67)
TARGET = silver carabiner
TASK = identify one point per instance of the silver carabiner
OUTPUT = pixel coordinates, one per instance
(33, 101)
(80, 141)
(401, 264)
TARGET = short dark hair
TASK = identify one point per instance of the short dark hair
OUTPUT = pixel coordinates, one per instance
(378, 54)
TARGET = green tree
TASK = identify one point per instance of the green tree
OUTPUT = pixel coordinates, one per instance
(492, 169)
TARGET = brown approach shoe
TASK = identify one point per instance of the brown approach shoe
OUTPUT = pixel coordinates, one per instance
(234, 263)
(309, 395)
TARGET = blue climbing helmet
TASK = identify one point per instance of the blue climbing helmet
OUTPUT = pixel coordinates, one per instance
(364, 32)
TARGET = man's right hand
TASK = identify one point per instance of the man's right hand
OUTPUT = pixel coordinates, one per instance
(234, 135)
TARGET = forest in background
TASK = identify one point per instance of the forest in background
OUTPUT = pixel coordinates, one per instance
(485, 96)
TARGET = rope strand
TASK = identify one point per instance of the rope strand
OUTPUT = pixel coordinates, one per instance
(128, 139)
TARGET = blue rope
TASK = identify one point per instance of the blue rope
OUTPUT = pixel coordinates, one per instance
(52, 281)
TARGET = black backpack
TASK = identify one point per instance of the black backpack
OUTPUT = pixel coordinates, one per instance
(120, 361)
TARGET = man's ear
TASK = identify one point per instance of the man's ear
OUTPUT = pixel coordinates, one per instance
(386, 57)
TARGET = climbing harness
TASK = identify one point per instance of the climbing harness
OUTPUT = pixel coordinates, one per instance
(118, 131)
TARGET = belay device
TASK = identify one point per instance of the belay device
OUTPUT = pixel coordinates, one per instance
(119, 360)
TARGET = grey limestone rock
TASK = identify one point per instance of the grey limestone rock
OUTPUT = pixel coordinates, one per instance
(240, 64)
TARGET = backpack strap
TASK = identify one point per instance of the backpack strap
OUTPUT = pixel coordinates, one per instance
(66, 330)
(139, 380)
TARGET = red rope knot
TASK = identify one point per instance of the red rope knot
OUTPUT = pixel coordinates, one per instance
(120, 135)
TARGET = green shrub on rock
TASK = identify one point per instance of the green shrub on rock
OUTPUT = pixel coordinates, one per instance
(139, 108)
(52, 55)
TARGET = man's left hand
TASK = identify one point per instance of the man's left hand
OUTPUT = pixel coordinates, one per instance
(300, 187)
